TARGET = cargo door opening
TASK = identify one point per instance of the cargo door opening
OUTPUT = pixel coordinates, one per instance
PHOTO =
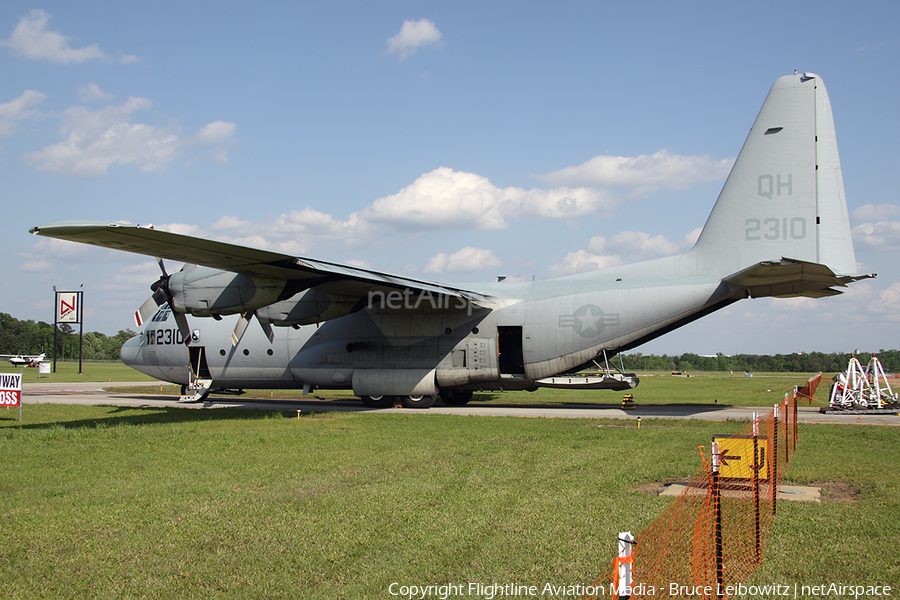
(509, 351)
(199, 368)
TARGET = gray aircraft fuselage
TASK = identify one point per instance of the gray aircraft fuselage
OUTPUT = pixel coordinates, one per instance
(535, 330)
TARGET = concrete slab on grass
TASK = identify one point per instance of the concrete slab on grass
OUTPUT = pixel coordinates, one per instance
(793, 493)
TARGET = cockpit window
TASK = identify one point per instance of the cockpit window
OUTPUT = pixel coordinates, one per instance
(162, 314)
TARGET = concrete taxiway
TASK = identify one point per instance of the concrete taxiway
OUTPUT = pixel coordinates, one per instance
(97, 394)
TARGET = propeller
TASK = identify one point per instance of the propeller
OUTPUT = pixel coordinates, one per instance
(241, 326)
(159, 297)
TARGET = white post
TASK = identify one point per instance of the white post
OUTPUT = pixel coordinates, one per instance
(625, 574)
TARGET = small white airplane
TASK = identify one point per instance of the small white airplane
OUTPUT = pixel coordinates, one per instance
(25, 360)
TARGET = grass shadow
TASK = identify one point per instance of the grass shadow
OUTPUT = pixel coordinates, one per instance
(115, 416)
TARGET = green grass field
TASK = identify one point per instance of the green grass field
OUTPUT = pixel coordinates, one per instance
(655, 388)
(68, 372)
(107, 502)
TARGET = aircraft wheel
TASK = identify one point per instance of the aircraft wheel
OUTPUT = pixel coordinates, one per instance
(455, 398)
(377, 401)
(417, 401)
(184, 389)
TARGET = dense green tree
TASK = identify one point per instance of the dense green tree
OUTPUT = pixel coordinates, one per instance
(800, 362)
(30, 337)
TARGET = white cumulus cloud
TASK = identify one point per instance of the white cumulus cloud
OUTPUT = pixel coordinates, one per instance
(883, 236)
(19, 109)
(413, 35)
(294, 232)
(35, 266)
(136, 277)
(583, 261)
(92, 93)
(445, 198)
(887, 304)
(439, 199)
(466, 259)
(216, 132)
(180, 228)
(623, 248)
(873, 212)
(32, 39)
(644, 174)
(95, 140)
(642, 245)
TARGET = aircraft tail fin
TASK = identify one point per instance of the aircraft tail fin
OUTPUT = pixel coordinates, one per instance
(784, 197)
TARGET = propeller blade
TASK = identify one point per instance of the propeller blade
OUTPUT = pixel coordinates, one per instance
(160, 296)
(147, 309)
(267, 329)
(183, 327)
(240, 327)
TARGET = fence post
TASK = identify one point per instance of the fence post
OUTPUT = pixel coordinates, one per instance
(773, 460)
(756, 534)
(624, 572)
(796, 420)
(787, 424)
(717, 510)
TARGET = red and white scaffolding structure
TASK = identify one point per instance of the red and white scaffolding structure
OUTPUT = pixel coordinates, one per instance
(862, 387)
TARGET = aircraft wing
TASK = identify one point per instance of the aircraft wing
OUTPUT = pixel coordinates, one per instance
(335, 278)
(789, 278)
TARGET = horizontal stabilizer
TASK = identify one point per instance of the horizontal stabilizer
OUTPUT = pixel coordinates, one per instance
(789, 278)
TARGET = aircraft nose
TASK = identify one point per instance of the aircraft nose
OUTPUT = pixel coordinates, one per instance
(130, 351)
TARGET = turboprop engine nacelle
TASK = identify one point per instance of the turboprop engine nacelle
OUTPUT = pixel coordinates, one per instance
(205, 292)
(310, 307)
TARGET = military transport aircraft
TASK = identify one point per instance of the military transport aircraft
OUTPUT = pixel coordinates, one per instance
(24, 360)
(779, 228)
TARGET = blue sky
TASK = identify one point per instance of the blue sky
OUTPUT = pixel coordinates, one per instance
(433, 140)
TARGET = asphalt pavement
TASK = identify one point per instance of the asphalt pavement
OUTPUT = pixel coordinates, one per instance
(95, 394)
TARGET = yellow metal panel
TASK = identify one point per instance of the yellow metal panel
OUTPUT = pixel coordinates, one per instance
(736, 457)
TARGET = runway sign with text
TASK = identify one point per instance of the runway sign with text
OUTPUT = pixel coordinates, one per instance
(11, 389)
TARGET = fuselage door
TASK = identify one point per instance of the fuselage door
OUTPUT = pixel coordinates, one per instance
(199, 368)
(509, 350)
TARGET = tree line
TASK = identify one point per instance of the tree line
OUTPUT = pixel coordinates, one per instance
(800, 362)
(34, 337)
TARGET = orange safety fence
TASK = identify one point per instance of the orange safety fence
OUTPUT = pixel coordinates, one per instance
(713, 536)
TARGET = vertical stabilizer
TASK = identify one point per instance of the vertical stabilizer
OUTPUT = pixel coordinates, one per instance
(784, 197)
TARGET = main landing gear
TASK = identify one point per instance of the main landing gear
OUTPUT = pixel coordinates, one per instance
(450, 398)
(406, 401)
(378, 401)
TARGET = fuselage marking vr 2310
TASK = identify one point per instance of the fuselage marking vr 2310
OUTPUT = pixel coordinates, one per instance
(778, 228)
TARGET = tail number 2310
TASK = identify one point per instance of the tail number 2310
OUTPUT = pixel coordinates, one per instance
(774, 228)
